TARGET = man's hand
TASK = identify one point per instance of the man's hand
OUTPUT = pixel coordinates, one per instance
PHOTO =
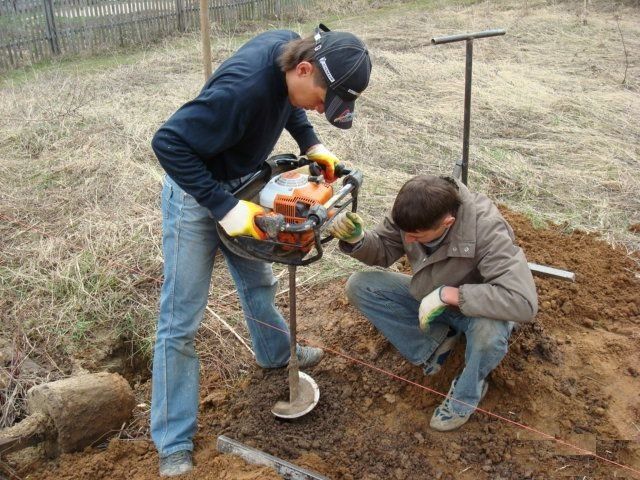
(327, 160)
(348, 227)
(430, 307)
(241, 220)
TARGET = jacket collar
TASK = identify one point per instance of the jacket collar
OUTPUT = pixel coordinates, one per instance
(462, 238)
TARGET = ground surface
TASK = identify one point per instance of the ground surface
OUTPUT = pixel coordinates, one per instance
(573, 374)
(555, 135)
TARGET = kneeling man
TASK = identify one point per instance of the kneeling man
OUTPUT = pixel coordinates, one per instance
(468, 278)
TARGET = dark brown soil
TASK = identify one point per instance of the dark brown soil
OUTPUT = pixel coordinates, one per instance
(574, 374)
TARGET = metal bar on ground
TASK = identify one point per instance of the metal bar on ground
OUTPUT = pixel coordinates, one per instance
(545, 271)
(256, 457)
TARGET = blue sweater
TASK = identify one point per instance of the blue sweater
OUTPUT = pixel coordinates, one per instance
(231, 127)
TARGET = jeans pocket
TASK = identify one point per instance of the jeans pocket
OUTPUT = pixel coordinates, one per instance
(166, 198)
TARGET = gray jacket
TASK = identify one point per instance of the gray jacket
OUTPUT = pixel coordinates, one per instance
(478, 255)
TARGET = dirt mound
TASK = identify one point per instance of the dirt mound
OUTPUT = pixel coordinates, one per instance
(572, 374)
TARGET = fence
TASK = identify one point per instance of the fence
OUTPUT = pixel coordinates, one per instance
(35, 30)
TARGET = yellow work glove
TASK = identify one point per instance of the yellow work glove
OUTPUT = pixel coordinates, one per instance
(431, 306)
(240, 220)
(327, 160)
(348, 227)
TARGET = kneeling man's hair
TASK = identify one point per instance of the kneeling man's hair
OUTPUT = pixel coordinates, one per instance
(423, 201)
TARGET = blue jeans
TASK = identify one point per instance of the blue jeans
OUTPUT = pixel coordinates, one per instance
(384, 298)
(189, 243)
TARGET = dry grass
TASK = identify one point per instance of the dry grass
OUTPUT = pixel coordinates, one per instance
(555, 134)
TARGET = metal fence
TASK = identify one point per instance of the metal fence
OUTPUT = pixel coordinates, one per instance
(35, 30)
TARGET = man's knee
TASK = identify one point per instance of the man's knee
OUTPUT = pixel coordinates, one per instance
(356, 285)
(490, 335)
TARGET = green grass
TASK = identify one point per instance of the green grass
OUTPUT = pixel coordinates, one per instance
(85, 63)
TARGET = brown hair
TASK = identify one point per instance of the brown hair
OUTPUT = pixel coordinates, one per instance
(300, 50)
(423, 201)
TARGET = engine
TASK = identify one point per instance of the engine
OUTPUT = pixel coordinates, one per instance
(292, 194)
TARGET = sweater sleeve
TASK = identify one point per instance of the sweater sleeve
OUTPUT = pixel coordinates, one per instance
(508, 291)
(200, 129)
(301, 130)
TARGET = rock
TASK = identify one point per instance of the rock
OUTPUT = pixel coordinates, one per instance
(587, 322)
(633, 371)
(390, 397)
(453, 456)
(304, 444)
(419, 437)
(140, 447)
(599, 411)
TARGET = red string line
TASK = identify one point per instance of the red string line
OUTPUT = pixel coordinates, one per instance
(386, 372)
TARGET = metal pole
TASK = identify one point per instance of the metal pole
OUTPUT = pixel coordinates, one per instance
(205, 29)
(461, 168)
(293, 359)
(467, 111)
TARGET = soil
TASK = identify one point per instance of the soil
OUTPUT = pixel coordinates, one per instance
(574, 373)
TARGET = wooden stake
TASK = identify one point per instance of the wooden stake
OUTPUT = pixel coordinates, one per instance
(205, 29)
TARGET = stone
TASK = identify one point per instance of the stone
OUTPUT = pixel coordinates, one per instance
(587, 322)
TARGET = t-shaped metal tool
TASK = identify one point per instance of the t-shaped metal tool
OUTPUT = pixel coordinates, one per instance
(461, 167)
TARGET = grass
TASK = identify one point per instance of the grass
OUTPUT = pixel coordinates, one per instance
(554, 134)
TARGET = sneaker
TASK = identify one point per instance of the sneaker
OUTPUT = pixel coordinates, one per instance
(176, 464)
(309, 356)
(445, 419)
(436, 361)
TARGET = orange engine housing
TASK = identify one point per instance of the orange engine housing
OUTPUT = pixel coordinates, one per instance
(295, 208)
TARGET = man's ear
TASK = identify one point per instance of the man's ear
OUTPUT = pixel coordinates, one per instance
(448, 221)
(304, 68)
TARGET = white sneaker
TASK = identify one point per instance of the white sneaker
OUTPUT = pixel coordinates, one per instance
(176, 464)
(444, 419)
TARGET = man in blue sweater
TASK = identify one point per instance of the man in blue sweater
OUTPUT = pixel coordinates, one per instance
(207, 148)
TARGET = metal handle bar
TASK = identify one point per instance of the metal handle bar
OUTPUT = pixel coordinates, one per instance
(467, 36)
(319, 213)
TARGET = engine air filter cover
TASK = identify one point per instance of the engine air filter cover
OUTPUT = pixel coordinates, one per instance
(283, 184)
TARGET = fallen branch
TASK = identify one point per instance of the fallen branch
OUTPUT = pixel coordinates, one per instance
(230, 328)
